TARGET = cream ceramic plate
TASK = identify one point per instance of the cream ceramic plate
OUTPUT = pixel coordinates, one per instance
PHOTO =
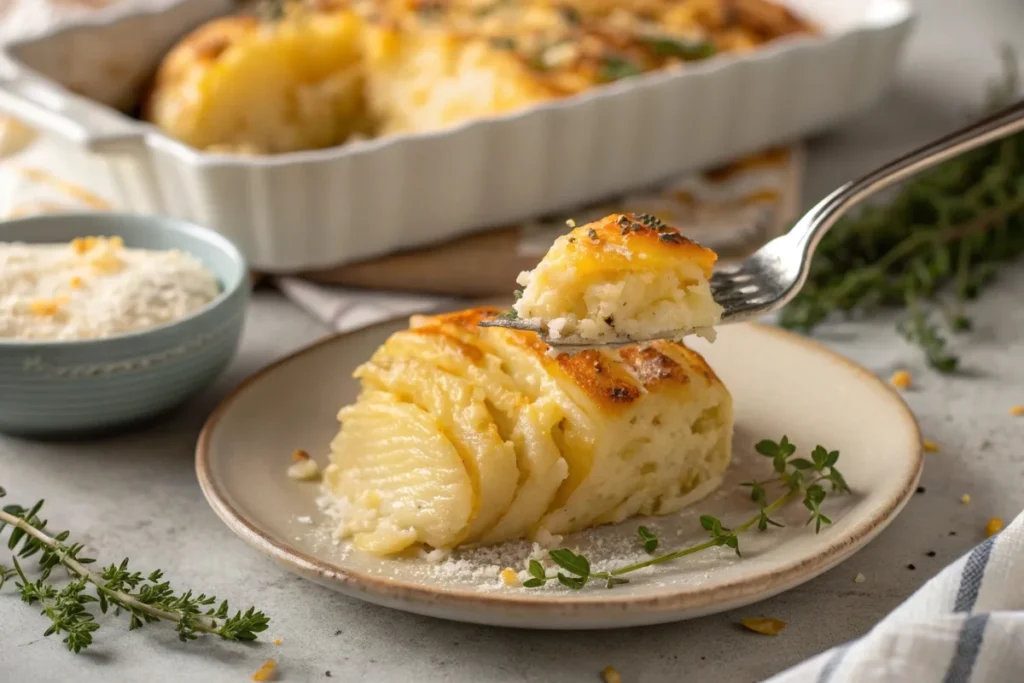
(781, 384)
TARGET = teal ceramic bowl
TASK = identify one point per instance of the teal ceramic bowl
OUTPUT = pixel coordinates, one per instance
(60, 388)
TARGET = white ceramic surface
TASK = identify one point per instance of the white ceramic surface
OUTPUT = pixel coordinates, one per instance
(323, 208)
(781, 384)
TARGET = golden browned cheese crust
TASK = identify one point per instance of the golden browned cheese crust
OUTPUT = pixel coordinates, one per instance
(573, 45)
(631, 235)
(612, 379)
(429, 64)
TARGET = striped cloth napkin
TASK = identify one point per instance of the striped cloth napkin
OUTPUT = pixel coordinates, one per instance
(966, 625)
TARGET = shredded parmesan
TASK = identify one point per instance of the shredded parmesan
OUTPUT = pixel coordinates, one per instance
(94, 287)
(266, 672)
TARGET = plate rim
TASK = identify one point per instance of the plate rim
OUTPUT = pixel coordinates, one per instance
(430, 599)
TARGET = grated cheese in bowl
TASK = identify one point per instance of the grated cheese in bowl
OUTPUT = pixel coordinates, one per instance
(95, 287)
(96, 335)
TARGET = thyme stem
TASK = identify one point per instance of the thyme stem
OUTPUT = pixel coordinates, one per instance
(201, 623)
(144, 598)
(779, 503)
(801, 476)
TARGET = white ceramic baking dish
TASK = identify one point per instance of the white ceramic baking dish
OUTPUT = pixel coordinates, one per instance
(329, 207)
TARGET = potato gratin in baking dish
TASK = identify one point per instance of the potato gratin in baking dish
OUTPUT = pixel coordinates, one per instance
(475, 435)
(429, 122)
(318, 72)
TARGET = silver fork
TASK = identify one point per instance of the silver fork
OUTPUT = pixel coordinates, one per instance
(766, 280)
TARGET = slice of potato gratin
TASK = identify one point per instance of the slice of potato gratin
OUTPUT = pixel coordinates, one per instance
(624, 277)
(470, 435)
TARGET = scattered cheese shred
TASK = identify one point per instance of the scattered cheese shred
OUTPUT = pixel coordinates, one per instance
(901, 379)
(266, 672)
(1017, 411)
(993, 527)
(610, 675)
(83, 245)
(509, 576)
(930, 446)
(76, 282)
(303, 467)
(278, 641)
(46, 307)
(75, 191)
(764, 626)
(860, 578)
(965, 499)
(571, 223)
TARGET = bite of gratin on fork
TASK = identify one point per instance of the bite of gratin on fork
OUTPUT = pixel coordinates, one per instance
(624, 279)
(630, 278)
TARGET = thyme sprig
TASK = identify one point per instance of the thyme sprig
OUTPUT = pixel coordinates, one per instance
(145, 598)
(945, 235)
(799, 478)
(272, 10)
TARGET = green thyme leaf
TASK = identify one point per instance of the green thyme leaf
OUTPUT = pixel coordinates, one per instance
(537, 570)
(503, 43)
(688, 50)
(571, 562)
(571, 582)
(570, 15)
(757, 492)
(617, 68)
(649, 540)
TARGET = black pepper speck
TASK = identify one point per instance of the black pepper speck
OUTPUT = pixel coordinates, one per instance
(930, 553)
(911, 567)
(921, 489)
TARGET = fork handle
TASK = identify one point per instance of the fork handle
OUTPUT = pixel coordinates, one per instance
(807, 233)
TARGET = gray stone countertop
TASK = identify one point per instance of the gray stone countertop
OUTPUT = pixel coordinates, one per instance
(136, 494)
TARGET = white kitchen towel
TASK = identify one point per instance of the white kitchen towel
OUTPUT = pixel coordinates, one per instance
(966, 625)
(349, 309)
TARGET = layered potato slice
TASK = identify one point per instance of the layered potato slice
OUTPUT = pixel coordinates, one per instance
(547, 444)
(239, 84)
(414, 472)
(625, 276)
